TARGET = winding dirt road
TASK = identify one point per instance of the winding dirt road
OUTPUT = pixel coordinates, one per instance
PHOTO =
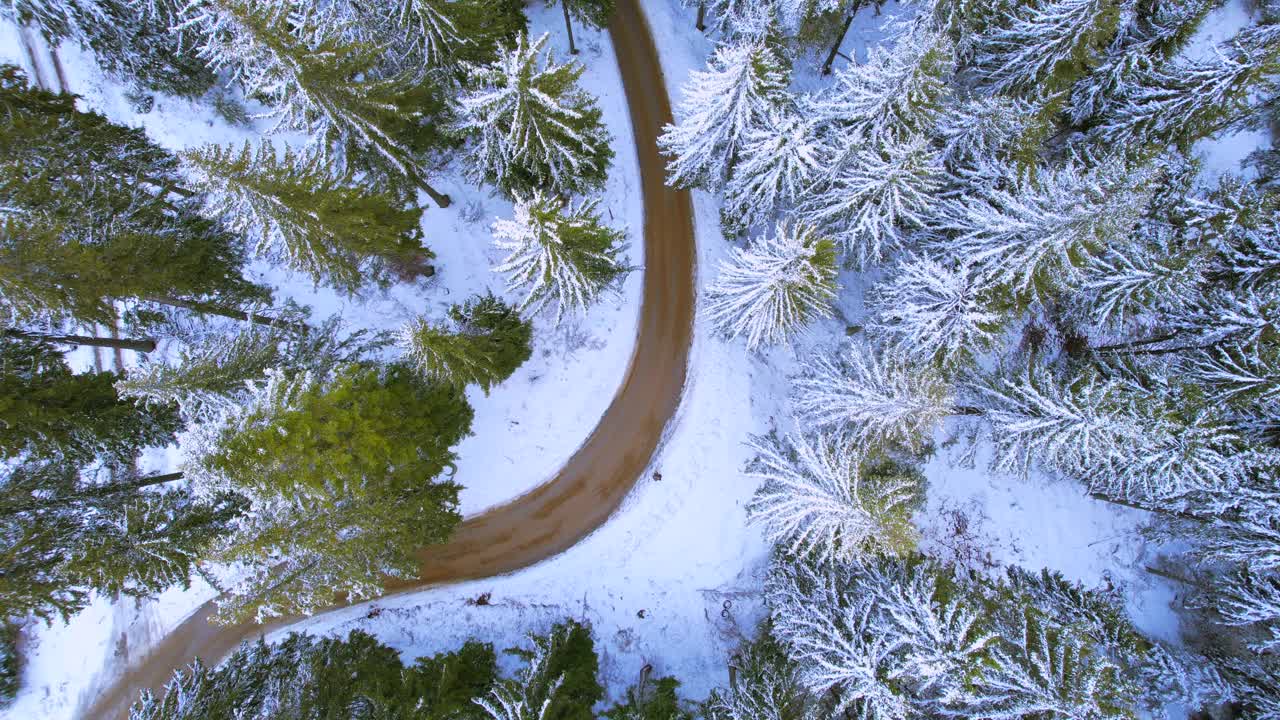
(591, 486)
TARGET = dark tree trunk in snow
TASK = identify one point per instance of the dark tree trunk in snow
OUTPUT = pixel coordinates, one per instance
(233, 313)
(568, 26)
(94, 492)
(835, 47)
(701, 23)
(142, 345)
(441, 200)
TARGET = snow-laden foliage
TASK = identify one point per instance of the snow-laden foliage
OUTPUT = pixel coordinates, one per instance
(931, 312)
(883, 632)
(895, 94)
(758, 19)
(879, 193)
(558, 255)
(430, 28)
(1034, 234)
(1248, 599)
(1045, 46)
(979, 129)
(533, 128)
(1174, 674)
(1121, 284)
(483, 344)
(299, 213)
(314, 80)
(872, 398)
(739, 92)
(767, 686)
(830, 500)
(558, 678)
(779, 161)
(1244, 376)
(772, 288)
(1184, 100)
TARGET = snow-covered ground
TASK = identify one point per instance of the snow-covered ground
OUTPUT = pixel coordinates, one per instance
(673, 579)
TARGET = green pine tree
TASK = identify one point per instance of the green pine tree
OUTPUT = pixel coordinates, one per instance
(487, 342)
(46, 411)
(97, 212)
(340, 474)
(558, 682)
(297, 211)
(307, 677)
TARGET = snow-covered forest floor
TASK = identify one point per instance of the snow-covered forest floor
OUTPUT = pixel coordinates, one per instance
(673, 579)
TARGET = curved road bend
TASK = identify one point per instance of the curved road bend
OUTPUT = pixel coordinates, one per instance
(591, 486)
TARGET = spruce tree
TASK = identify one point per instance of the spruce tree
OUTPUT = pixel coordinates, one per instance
(339, 471)
(1043, 47)
(737, 94)
(488, 340)
(532, 127)
(299, 212)
(771, 289)
(46, 411)
(779, 161)
(319, 82)
(557, 682)
(561, 255)
(98, 212)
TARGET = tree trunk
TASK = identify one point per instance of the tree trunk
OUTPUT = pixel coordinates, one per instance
(442, 201)
(142, 345)
(701, 23)
(95, 492)
(233, 313)
(568, 26)
(1118, 347)
(835, 47)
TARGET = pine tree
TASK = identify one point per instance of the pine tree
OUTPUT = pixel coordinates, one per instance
(318, 82)
(1044, 47)
(557, 682)
(767, 685)
(878, 194)
(97, 212)
(1035, 235)
(779, 161)
(213, 366)
(872, 399)
(1251, 600)
(738, 93)
(336, 470)
(485, 345)
(934, 312)
(46, 411)
(772, 288)
(299, 213)
(1182, 101)
(533, 128)
(10, 663)
(650, 699)
(895, 95)
(832, 501)
(561, 255)
(73, 533)
(304, 676)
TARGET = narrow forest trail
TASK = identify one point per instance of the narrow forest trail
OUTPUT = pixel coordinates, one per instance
(591, 486)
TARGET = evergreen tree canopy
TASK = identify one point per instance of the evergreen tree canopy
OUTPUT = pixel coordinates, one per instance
(298, 212)
(46, 411)
(558, 254)
(307, 677)
(532, 127)
(95, 212)
(487, 342)
(557, 682)
(340, 474)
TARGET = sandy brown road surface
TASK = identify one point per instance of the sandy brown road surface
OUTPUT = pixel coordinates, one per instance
(591, 486)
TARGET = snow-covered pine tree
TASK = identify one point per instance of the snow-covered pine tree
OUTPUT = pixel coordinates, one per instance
(737, 94)
(299, 212)
(1042, 48)
(1181, 101)
(486, 342)
(895, 95)
(328, 518)
(557, 682)
(981, 131)
(532, 128)
(766, 686)
(318, 82)
(1033, 234)
(779, 159)
(872, 398)
(896, 637)
(1155, 272)
(557, 254)
(934, 312)
(769, 290)
(748, 20)
(10, 661)
(1249, 599)
(432, 28)
(878, 193)
(829, 500)
(1149, 33)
